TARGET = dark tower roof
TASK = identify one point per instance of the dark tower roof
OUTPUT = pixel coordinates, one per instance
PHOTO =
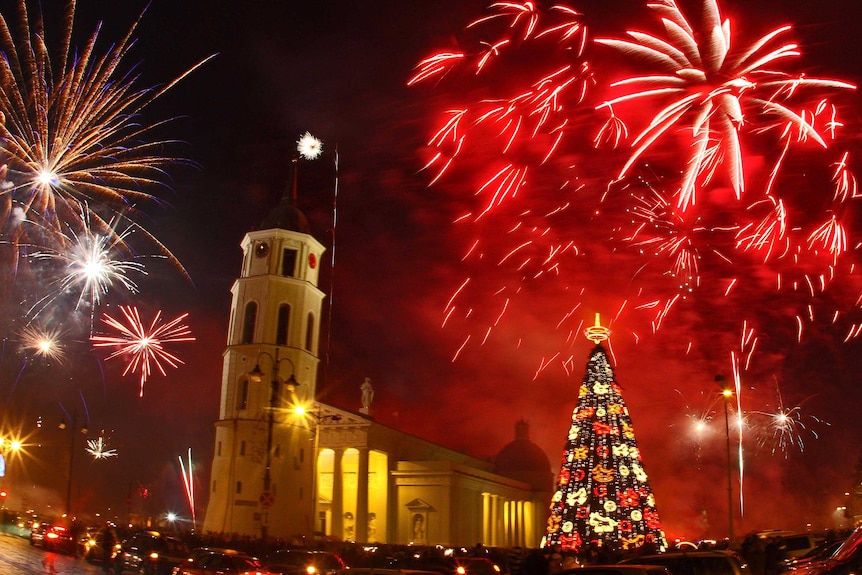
(286, 216)
(525, 461)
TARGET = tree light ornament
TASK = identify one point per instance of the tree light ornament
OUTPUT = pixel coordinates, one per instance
(309, 147)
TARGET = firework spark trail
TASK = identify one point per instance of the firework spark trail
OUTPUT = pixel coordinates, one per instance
(532, 118)
(143, 346)
(786, 426)
(72, 130)
(737, 384)
(189, 484)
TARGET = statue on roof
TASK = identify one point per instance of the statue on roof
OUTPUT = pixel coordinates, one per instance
(367, 395)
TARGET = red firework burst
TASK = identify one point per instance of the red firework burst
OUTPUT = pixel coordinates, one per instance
(141, 345)
(734, 203)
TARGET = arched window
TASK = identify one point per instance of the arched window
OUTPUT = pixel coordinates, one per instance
(242, 395)
(283, 324)
(249, 322)
(309, 333)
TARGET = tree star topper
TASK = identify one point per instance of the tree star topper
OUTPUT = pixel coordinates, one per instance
(597, 333)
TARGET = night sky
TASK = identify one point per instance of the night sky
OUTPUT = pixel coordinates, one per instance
(339, 69)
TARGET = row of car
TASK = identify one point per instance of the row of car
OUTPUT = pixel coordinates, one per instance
(153, 553)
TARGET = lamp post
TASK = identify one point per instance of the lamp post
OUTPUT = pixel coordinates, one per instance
(727, 393)
(291, 383)
(62, 425)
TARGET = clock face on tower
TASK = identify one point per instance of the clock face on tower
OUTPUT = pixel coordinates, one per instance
(261, 249)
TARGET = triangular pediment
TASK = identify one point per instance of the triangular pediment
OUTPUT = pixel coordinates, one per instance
(418, 505)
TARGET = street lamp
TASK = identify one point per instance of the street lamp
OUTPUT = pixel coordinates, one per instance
(727, 393)
(9, 448)
(256, 375)
(84, 430)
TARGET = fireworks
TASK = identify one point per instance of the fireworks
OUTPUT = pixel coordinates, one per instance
(98, 448)
(309, 147)
(707, 184)
(91, 264)
(141, 345)
(72, 129)
(44, 342)
(705, 210)
(713, 92)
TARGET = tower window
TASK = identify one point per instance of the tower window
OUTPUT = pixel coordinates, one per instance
(288, 263)
(218, 449)
(309, 333)
(242, 447)
(239, 486)
(249, 322)
(283, 324)
(242, 395)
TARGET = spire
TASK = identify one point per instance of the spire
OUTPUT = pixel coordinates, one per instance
(286, 215)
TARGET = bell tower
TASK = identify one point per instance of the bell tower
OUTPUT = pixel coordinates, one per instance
(261, 478)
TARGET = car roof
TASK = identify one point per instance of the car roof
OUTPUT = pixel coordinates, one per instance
(222, 550)
(384, 571)
(616, 569)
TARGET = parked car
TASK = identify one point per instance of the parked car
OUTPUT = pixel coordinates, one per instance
(37, 533)
(797, 545)
(846, 561)
(212, 561)
(694, 562)
(303, 562)
(151, 553)
(93, 550)
(53, 538)
(475, 566)
(383, 571)
(823, 551)
(617, 570)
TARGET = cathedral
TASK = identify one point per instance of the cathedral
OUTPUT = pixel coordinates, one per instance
(288, 466)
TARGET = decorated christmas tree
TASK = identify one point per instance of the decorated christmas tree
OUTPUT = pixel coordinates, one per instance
(602, 494)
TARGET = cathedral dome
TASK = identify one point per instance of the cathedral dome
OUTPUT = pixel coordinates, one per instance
(524, 460)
